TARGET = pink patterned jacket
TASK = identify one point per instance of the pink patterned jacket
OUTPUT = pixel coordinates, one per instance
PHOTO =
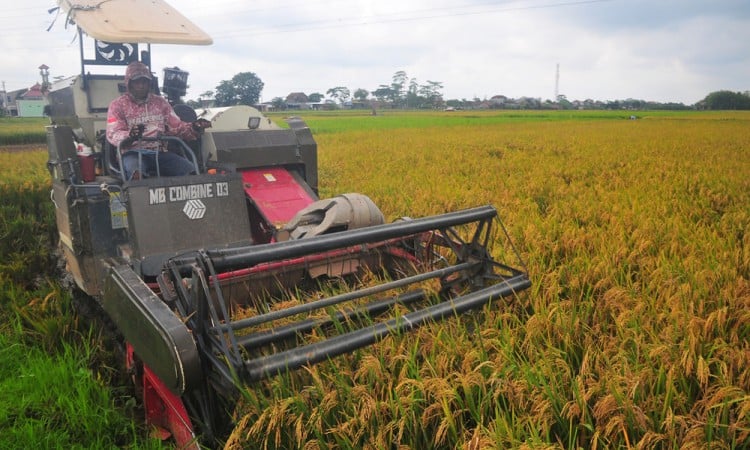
(155, 113)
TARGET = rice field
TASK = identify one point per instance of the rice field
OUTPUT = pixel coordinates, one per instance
(634, 333)
(22, 130)
(57, 385)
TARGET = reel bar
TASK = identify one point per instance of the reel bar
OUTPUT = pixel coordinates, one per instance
(306, 260)
(282, 333)
(285, 361)
(237, 258)
(345, 297)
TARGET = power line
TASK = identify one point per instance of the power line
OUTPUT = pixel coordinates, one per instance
(398, 17)
(204, 11)
(408, 16)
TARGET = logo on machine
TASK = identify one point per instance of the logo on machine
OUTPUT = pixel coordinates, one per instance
(191, 194)
(161, 195)
(194, 209)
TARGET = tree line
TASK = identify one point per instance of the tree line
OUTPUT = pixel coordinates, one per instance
(725, 100)
(245, 88)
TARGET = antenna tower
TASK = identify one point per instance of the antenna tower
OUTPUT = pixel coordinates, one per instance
(557, 82)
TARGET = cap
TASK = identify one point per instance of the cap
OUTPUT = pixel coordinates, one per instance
(137, 70)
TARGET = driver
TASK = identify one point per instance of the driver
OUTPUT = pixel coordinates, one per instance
(140, 113)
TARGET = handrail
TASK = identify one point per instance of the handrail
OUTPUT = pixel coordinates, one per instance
(187, 151)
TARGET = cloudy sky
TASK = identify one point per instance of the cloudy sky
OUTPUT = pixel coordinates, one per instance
(660, 50)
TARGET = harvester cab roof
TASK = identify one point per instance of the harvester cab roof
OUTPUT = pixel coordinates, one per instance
(119, 29)
(144, 21)
(190, 268)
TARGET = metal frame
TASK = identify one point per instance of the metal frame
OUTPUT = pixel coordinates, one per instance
(193, 285)
(186, 151)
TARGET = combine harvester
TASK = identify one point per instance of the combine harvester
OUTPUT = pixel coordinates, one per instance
(191, 269)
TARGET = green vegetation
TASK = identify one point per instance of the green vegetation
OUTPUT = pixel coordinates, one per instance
(341, 121)
(22, 130)
(345, 121)
(53, 400)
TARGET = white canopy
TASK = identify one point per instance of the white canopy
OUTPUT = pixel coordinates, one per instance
(136, 21)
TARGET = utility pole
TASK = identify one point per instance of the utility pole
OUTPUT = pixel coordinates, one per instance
(557, 82)
(4, 101)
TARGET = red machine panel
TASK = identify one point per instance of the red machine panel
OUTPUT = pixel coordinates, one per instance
(277, 194)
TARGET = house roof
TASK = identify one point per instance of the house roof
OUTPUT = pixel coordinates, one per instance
(297, 97)
(33, 93)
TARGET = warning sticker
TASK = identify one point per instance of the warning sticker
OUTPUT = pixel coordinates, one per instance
(118, 212)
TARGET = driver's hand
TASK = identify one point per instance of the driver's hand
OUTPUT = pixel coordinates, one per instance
(201, 124)
(136, 132)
